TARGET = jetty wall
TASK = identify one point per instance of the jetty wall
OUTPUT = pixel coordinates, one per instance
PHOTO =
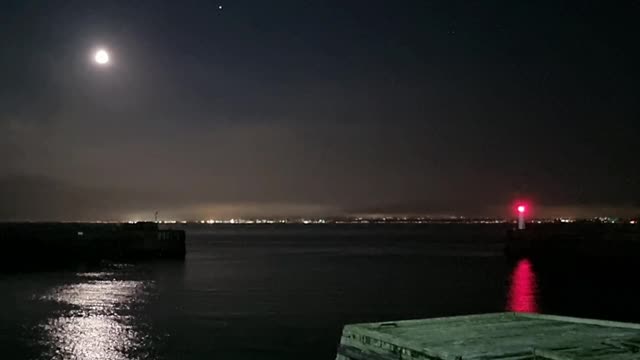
(44, 245)
(574, 240)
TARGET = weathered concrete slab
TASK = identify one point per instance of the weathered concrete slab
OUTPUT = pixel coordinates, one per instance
(505, 336)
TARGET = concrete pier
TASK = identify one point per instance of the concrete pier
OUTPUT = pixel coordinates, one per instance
(27, 246)
(504, 336)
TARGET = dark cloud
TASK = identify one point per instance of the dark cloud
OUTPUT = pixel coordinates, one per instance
(318, 107)
(37, 198)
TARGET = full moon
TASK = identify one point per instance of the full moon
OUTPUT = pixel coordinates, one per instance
(101, 57)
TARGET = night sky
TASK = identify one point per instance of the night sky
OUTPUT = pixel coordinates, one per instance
(314, 108)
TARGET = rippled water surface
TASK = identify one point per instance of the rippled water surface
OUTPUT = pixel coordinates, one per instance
(285, 292)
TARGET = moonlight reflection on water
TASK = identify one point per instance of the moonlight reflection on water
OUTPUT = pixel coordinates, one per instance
(97, 324)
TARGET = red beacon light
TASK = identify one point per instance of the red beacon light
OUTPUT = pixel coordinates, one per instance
(521, 208)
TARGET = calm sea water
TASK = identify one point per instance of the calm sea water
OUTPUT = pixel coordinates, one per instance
(284, 292)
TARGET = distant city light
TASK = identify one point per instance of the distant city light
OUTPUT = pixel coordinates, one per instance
(390, 220)
(521, 208)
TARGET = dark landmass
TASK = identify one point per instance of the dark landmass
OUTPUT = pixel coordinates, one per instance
(33, 246)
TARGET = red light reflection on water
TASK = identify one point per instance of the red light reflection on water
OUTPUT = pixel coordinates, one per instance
(523, 290)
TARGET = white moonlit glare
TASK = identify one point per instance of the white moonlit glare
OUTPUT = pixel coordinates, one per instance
(97, 322)
(101, 57)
